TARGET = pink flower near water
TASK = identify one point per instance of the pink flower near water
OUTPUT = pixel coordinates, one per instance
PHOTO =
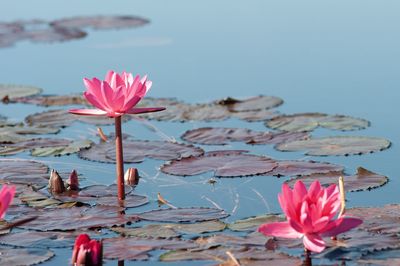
(310, 215)
(6, 197)
(87, 252)
(118, 94)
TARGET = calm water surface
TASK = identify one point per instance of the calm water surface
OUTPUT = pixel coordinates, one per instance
(333, 57)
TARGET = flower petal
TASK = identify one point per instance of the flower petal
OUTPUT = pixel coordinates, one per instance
(279, 229)
(6, 197)
(341, 225)
(95, 112)
(145, 110)
(314, 242)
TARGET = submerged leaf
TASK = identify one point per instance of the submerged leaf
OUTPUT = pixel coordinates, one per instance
(310, 121)
(362, 180)
(222, 163)
(196, 214)
(340, 145)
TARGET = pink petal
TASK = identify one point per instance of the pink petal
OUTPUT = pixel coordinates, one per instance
(96, 102)
(6, 197)
(314, 242)
(95, 112)
(341, 225)
(109, 76)
(296, 225)
(279, 229)
(299, 191)
(145, 110)
(131, 103)
(289, 207)
(314, 190)
(107, 95)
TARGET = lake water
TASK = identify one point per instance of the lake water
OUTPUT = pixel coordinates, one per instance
(331, 57)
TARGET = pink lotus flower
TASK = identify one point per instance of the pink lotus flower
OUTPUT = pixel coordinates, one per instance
(6, 197)
(87, 252)
(310, 215)
(116, 95)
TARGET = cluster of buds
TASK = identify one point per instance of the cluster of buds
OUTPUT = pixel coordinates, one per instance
(87, 252)
(57, 185)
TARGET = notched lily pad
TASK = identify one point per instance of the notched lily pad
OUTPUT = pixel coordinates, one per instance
(137, 248)
(16, 91)
(23, 172)
(221, 135)
(362, 180)
(310, 121)
(135, 151)
(179, 215)
(252, 223)
(298, 167)
(340, 145)
(222, 163)
(24, 256)
(61, 118)
(38, 239)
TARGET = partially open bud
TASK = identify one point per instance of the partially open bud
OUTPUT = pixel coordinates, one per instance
(56, 184)
(87, 252)
(131, 177)
(73, 181)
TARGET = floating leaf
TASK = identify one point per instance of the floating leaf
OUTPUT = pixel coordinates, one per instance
(40, 31)
(255, 116)
(252, 223)
(11, 149)
(13, 134)
(221, 135)
(251, 104)
(293, 168)
(310, 121)
(15, 91)
(172, 230)
(382, 220)
(102, 191)
(101, 22)
(24, 256)
(72, 147)
(23, 172)
(136, 248)
(340, 145)
(362, 180)
(183, 215)
(77, 218)
(38, 239)
(136, 151)
(379, 262)
(131, 201)
(222, 163)
(53, 100)
(254, 239)
(61, 118)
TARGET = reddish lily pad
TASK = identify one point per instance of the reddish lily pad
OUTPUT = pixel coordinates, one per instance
(72, 147)
(252, 223)
(183, 215)
(222, 163)
(293, 168)
(77, 218)
(362, 180)
(13, 134)
(381, 220)
(379, 262)
(102, 191)
(23, 172)
(38, 239)
(310, 121)
(256, 115)
(221, 135)
(340, 145)
(61, 118)
(24, 256)
(16, 91)
(101, 22)
(137, 248)
(53, 100)
(136, 151)
(251, 104)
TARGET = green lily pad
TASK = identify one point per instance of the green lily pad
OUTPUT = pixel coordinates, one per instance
(340, 145)
(310, 121)
(252, 223)
(16, 91)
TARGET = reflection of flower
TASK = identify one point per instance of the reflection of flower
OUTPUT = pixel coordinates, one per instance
(87, 252)
(310, 215)
(6, 197)
(116, 95)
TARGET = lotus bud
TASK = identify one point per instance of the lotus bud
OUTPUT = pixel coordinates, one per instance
(87, 252)
(56, 184)
(73, 181)
(131, 176)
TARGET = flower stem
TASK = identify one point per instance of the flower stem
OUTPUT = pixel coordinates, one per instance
(119, 158)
